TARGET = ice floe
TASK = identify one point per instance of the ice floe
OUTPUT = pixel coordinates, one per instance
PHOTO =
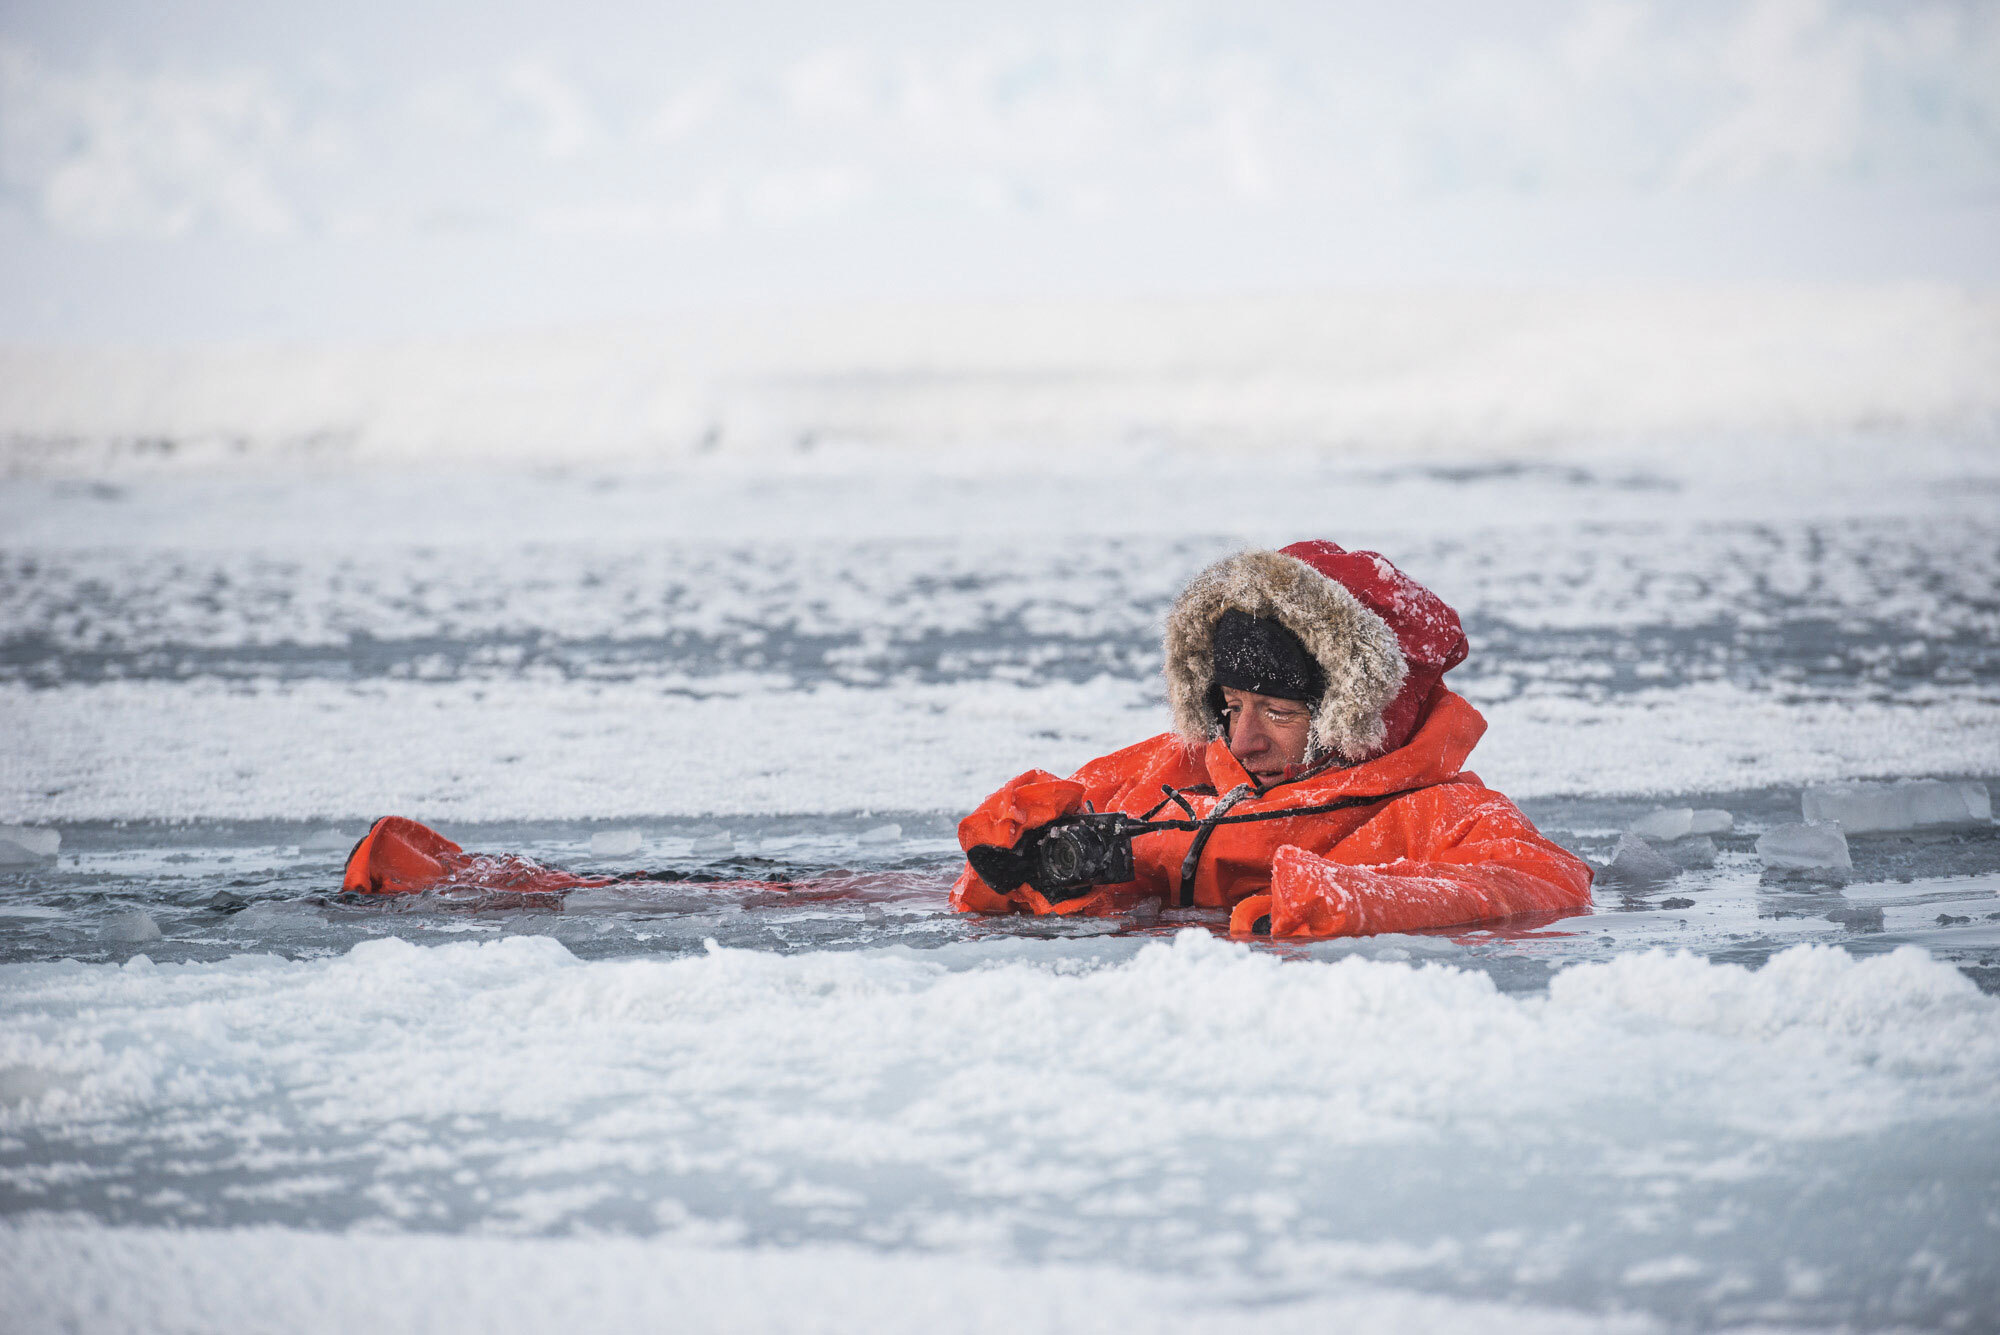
(1804, 847)
(1907, 804)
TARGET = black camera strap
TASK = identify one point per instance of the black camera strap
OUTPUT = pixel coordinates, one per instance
(1203, 827)
(1013, 866)
(1203, 830)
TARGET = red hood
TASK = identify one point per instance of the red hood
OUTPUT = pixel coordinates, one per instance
(1427, 630)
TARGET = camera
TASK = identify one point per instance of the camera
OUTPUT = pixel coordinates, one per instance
(1067, 857)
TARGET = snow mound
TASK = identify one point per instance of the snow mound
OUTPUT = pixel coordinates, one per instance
(108, 1281)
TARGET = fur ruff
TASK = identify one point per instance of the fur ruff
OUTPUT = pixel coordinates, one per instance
(1363, 663)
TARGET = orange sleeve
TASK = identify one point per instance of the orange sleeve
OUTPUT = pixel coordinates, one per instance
(1038, 797)
(1455, 854)
(1024, 802)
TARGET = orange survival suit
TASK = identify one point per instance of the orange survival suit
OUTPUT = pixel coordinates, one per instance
(1434, 848)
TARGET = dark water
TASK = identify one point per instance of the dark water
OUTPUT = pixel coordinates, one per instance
(215, 889)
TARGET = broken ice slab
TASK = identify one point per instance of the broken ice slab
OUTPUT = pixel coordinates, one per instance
(1907, 804)
(131, 926)
(1804, 847)
(711, 845)
(1635, 861)
(328, 841)
(1694, 853)
(1711, 820)
(614, 843)
(1664, 824)
(31, 842)
(881, 834)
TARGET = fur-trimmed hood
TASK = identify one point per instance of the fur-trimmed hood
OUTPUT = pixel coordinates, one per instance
(1382, 639)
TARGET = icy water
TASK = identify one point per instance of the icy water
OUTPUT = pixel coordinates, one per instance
(1733, 1096)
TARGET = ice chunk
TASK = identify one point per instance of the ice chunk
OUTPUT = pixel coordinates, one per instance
(1692, 853)
(881, 834)
(1635, 860)
(614, 843)
(36, 843)
(1666, 823)
(1711, 820)
(132, 925)
(1861, 808)
(710, 845)
(1934, 802)
(1908, 804)
(13, 855)
(1804, 847)
(328, 841)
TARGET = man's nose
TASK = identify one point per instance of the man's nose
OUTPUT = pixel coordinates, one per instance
(1250, 736)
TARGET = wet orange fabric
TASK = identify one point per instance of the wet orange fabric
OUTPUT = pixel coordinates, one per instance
(1447, 851)
(398, 856)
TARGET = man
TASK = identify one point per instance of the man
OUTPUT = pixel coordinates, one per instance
(1317, 759)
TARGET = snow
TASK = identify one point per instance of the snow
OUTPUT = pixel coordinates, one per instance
(1804, 847)
(1186, 1105)
(1710, 552)
(94, 1281)
(1374, 374)
(538, 748)
(1908, 804)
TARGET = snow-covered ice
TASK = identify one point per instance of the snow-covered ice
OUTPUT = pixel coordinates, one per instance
(1183, 1106)
(1729, 1095)
(174, 1281)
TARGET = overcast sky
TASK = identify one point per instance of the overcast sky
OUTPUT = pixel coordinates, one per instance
(319, 168)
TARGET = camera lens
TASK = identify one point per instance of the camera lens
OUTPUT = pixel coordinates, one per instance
(1063, 858)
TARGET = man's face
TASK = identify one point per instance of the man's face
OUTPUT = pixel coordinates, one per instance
(1266, 732)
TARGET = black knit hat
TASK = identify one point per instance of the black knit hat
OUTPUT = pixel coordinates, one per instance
(1261, 654)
